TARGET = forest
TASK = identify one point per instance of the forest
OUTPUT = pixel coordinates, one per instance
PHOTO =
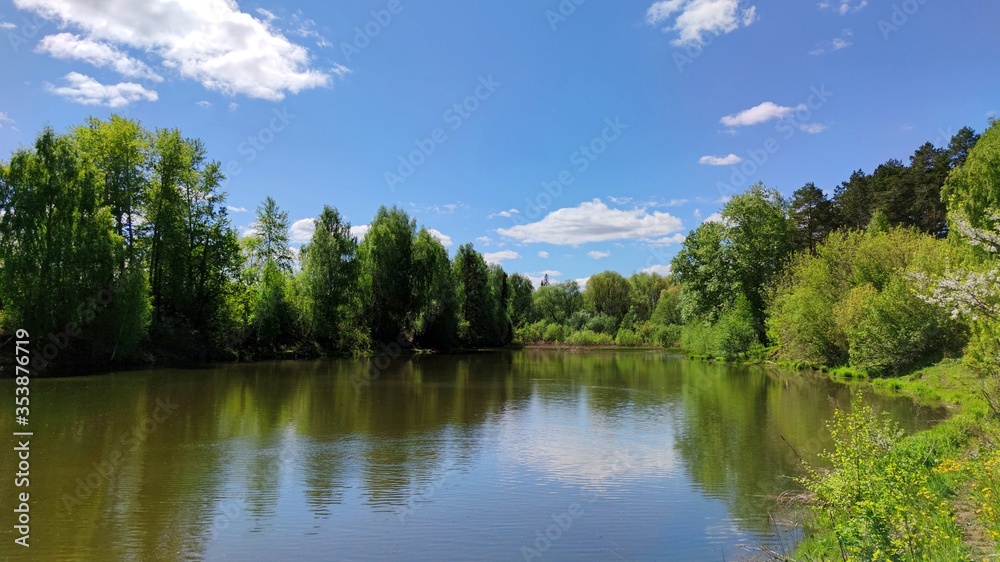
(117, 243)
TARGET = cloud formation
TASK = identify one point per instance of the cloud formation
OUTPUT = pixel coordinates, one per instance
(85, 90)
(500, 257)
(209, 41)
(594, 221)
(762, 113)
(720, 160)
(695, 18)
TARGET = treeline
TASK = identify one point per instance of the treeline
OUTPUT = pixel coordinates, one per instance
(116, 247)
(891, 273)
(641, 310)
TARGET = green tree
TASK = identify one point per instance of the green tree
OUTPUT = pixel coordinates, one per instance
(705, 269)
(556, 303)
(519, 307)
(972, 191)
(331, 273)
(436, 299)
(811, 214)
(759, 240)
(476, 297)
(645, 293)
(386, 260)
(608, 293)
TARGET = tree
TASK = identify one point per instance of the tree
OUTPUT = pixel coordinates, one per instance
(331, 272)
(476, 297)
(608, 293)
(272, 315)
(972, 191)
(58, 249)
(556, 303)
(435, 300)
(271, 231)
(854, 202)
(519, 307)
(811, 214)
(704, 267)
(759, 239)
(386, 260)
(645, 293)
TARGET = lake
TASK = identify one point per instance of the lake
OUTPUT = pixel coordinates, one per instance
(508, 455)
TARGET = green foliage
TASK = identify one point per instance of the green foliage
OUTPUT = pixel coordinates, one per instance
(628, 338)
(608, 293)
(556, 303)
(667, 336)
(812, 216)
(554, 333)
(386, 264)
(589, 338)
(331, 274)
(854, 303)
(704, 268)
(602, 324)
(519, 307)
(668, 307)
(973, 190)
(436, 300)
(646, 289)
(881, 501)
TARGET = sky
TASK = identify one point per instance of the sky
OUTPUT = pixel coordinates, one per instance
(565, 137)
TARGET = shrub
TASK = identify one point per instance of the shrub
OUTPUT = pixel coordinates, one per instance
(588, 338)
(628, 338)
(602, 323)
(554, 333)
(667, 336)
(878, 501)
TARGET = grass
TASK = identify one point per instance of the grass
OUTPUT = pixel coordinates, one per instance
(928, 496)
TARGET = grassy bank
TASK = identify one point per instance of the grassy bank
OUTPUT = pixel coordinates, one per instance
(928, 496)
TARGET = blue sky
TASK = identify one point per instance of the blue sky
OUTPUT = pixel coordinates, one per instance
(564, 137)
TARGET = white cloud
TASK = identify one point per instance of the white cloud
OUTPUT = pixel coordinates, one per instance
(444, 239)
(233, 106)
(67, 46)
(544, 255)
(582, 282)
(843, 7)
(232, 209)
(500, 257)
(87, 91)
(360, 231)
(302, 231)
(7, 25)
(506, 214)
(695, 18)
(720, 160)
(671, 240)
(5, 119)
(714, 217)
(209, 41)
(759, 114)
(812, 128)
(593, 221)
(203, 104)
(836, 44)
(598, 255)
(658, 269)
(484, 240)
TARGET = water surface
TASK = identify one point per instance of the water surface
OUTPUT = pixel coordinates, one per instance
(535, 454)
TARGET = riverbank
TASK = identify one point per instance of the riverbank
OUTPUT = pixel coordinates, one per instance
(930, 494)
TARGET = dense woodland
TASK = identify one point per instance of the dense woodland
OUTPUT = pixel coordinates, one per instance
(115, 242)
